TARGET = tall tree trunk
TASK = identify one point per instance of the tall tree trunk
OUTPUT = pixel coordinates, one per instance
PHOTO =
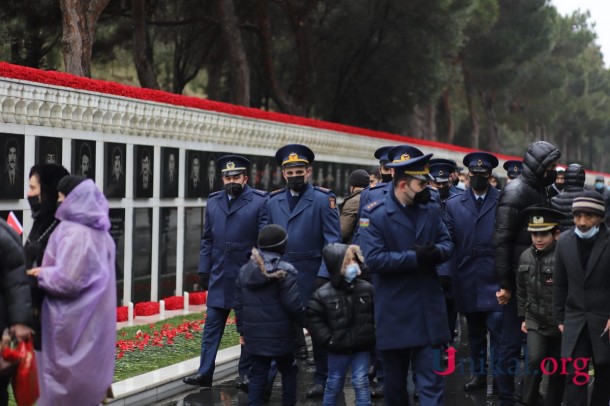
(284, 101)
(416, 123)
(231, 34)
(472, 111)
(431, 122)
(297, 12)
(448, 116)
(492, 122)
(79, 18)
(214, 69)
(142, 48)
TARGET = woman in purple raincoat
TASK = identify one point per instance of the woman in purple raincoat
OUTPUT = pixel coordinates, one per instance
(79, 309)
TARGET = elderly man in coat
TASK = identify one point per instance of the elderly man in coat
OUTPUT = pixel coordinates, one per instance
(581, 307)
(404, 238)
(471, 221)
(233, 218)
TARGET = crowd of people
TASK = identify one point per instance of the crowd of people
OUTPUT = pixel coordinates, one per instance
(378, 282)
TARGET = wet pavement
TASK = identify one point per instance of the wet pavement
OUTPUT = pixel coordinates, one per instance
(225, 393)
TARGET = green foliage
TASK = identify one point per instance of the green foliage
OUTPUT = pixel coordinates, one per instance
(512, 70)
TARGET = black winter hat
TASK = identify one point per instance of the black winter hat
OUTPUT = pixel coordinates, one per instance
(359, 178)
(272, 238)
(68, 183)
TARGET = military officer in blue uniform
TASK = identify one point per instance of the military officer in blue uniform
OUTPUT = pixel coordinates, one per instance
(513, 169)
(453, 176)
(310, 216)
(233, 218)
(404, 238)
(471, 222)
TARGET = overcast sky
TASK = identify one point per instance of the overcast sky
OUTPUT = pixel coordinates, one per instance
(600, 14)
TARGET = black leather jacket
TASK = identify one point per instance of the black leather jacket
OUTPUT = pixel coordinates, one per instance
(511, 237)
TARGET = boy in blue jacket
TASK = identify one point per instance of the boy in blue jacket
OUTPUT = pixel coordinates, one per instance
(267, 305)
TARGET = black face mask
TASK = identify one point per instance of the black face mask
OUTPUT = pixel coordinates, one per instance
(233, 189)
(443, 193)
(296, 183)
(550, 177)
(422, 197)
(35, 204)
(386, 177)
(479, 183)
(455, 181)
(559, 186)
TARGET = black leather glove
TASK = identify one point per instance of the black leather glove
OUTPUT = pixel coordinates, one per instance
(428, 255)
(204, 281)
(445, 282)
(320, 280)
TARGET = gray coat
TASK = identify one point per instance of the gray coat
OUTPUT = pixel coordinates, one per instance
(581, 296)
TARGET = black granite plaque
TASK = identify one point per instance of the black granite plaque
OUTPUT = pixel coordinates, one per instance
(167, 251)
(194, 178)
(11, 165)
(144, 161)
(83, 158)
(114, 170)
(169, 168)
(117, 232)
(193, 227)
(141, 261)
(48, 150)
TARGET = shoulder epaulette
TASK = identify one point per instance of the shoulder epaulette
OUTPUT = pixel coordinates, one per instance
(323, 189)
(373, 205)
(260, 192)
(214, 194)
(377, 186)
(275, 192)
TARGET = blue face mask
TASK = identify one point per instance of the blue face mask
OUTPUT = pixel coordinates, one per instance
(599, 185)
(586, 235)
(351, 271)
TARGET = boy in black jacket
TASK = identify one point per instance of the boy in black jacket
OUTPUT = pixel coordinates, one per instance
(267, 304)
(340, 314)
(534, 305)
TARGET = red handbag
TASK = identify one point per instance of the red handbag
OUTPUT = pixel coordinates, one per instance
(25, 379)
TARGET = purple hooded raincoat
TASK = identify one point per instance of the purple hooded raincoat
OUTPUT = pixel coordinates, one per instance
(79, 310)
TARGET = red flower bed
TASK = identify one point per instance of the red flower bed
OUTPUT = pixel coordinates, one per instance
(157, 338)
(121, 314)
(174, 303)
(146, 309)
(197, 298)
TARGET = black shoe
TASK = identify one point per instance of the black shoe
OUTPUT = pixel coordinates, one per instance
(372, 373)
(199, 380)
(243, 383)
(316, 391)
(301, 353)
(377, 393)
(476, 382)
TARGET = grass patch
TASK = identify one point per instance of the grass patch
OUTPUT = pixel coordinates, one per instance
(149, 357)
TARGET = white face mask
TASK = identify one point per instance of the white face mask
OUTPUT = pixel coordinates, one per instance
(592, 232)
